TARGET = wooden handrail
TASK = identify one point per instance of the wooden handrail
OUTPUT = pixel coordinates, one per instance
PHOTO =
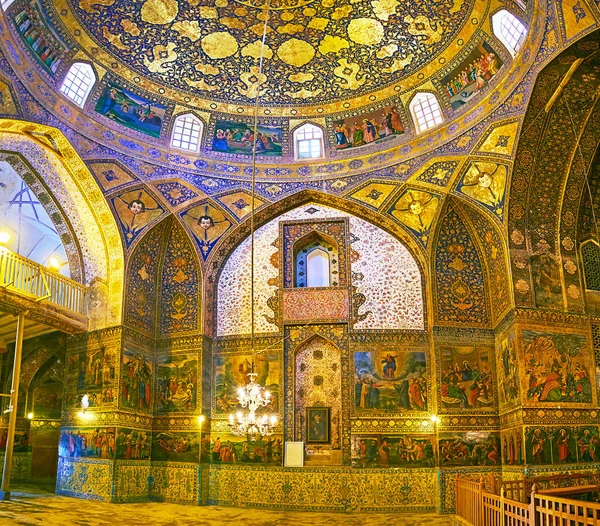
(28, 278)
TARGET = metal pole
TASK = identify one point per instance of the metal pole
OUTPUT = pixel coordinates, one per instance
(12, 422)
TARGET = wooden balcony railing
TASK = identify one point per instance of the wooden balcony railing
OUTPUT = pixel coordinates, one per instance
(28, 278)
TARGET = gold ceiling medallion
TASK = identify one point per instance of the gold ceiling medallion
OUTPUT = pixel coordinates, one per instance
(275, 5)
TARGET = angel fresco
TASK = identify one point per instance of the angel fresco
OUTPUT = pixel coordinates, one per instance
(416, 210)
(135, 211)
(486, 183)
(207, 224)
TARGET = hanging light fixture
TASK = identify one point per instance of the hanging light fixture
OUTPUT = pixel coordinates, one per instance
(253, 396)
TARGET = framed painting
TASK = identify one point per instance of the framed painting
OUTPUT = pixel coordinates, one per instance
(317, 425)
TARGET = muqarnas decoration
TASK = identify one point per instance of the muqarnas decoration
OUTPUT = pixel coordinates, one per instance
(471, 75)
(398, 451)
(556, 368)
(390, 381)
(130, 110)
(231, 449)
(231, 372)
(469, 448)
(466, 378)
(177, 383)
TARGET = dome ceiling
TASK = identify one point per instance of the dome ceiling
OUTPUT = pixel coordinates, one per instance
(317, 52)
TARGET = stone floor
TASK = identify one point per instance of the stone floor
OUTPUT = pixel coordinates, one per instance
(31, 505)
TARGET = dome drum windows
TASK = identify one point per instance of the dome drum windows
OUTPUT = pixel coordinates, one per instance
(187, 133)
(426, 111)
(308, 142)
(509, 30)
(78, 82)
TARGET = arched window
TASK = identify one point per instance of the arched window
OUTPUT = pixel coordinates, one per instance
(308, 140)
(317, 263)
(317, 268)
(78, 82)
(426, 111)
(590, 255)
(509, 30)
(6, 4)
(187, 133)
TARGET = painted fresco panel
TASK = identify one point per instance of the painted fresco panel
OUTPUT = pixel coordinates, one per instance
(562, 444)
(471, 75)
(557, 368)
(231, 372)
(467, 381)
(136, 381)
(47, 400)
(469, 448)
(370, 127)
(512, 446)
(546, 281)
(226, 448)
(397, 451)
(176, 383)
(508, 372)
(135, 210)
(207, 224)
(88, 442)
(130, 110)
(238, 138)
(390, 381)
(132, 444)
(175, 446)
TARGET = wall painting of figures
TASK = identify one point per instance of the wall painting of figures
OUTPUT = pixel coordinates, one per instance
(136, 381)
(469, 448)
(238, 138)
(390, 381)
(21, 444)
(231, 372)
(507, 372)
(133, 444)
(177, 383)
(94, 442)
(131, 110)
(557, 368)
(562, 444)
(370, 127)
(512, 446)
(471, 75)
(546, 281)
(398, 451)
(466, 378)
(226, 448)
(175, 446)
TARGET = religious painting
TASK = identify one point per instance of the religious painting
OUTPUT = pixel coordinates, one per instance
(557, 368)
(562, 444)
(226, 448)
(370, 127)
(396, 451)
(93, 442)
(91, 372)
(486, 183)
(466, 378)
(538, 446)
(176, 383)
(469, 448)
(238, 138)
(47, 400)
(231, 373)
(130, 110)
(416, 210)
(175, 446)
(133, 444)
(207, 225)
(546, 281)
(390, 381)
(21, 444)
(508, 372)
(135, 210)
(136, 381)
(40, 37)
(512, 446)
(318, 425)
(472, 75)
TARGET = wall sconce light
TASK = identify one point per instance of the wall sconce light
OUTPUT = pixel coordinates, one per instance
(29, 416)
(85, 403)
(435, 419)
(54, 264)
(201, 420)
(4, 238)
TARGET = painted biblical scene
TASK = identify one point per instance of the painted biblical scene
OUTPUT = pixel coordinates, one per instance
(390, 381)
(507, 370)
(131, 110)
(546, 281)
(21, 444)
(40, 37)
(93, 442)
(176, 383)
(512, 446)
(47, 400)
(231, 372)
(136, 381)
(133, 444)
(557, 368)
(376, 126)
(562, 444)
(469, 448)
(238, 138)
(471, 75)
(466, 378)
(175, 446)
(397, 451)
(135, 211)
(226, 448)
